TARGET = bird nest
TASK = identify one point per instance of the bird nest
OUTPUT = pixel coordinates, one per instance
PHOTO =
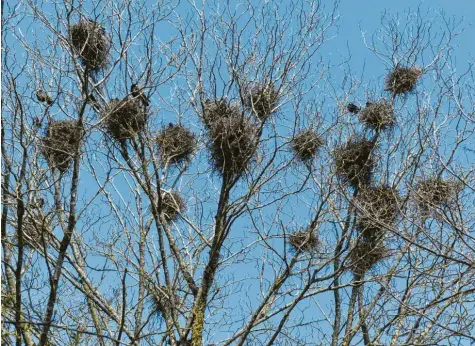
(91, 43)
(233, 144)
(380, 207)
(172, 205)
(354, 162)
(403, 79)
(378, 116)
(366, 254)
(436, 192)
(304, 240)
(176, 144)
(164, 299)
(62, 140)
(306, 144)
(36, 233)
(261, 98)
(217, 110)
(123, 119)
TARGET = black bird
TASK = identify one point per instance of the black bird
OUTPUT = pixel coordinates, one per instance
(137, 92)
(170, 125)
(36, 122)
(134, 89)
(44, 97)
(368, 104)
(352, 108)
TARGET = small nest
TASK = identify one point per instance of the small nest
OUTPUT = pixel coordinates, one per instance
(62, 140)
(261, 99)
(366, 254)
(378, 116)
(124, 119)
(354, 162)
(172, 205)
(381, 207)
(234, 142)
(217, 110)
(306, 144)
(90, 42)
(162, 300)
(402, 79)
(176, 143)
(36, 233)
(436, 192)
(305, 240)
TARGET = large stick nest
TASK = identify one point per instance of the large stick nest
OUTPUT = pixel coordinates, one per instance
(36, 232)
(233, 144)
(218, 109)
(380, 207)
(436, 193)
(172, 205)
(366, 254)
(403, 79)
(176, 144)
(164, 299)
(304, 240)
(123, 119)
(354, 161)
(62, 140)
(261, 98)
(91, 43)
(377, 116)
(306, 144)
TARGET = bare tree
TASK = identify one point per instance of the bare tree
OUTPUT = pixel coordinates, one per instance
(194, 174)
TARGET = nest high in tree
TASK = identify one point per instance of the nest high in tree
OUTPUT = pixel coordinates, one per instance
(164, 299)
(354, 161)
(36, 233)
(218, 109)
(62, 140)
(436, 192)
(176, 144)
(381, 207)
(365, 255)
(377, 116)
(306, 144)
(403, 79)
(233, 143)
(91, 43)
(172, 205)
(123, 119)
(261, 99)
(304, 240)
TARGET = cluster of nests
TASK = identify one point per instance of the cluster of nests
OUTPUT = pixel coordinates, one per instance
(62, 140)
(233, 137)
(305, 145)
(435, 192)
(123, 119)
(172, 205)
(354, 161)
(261, 99)
(176, 144)
(91, 43)
(304, 240)
(402, 79)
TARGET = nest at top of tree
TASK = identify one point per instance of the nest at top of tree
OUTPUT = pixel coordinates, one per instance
(172, 205)
(379, 209)
(261, 99)
(91, 43)
(403, 79)
(354, 161)
(306, 144)
(436, 192)
(304, 240)
(123, 119)
(176, 144)
(378, 115)
(365, 254)
(218, 109)
(233, 144)
(62, 140)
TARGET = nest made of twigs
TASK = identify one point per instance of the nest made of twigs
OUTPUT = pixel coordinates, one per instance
(233, 143)
(176, 144)
(91, 43)
(36, 232)
(172, 205)
(261, 99)
(365, 254)
(123, 119)
(164, 299)
(354, 161)
(436, 192)
(304, 240)
(377, 115)
(217, 110)
(380, 207)
(62, 140)
(306, 144)
(403, 79)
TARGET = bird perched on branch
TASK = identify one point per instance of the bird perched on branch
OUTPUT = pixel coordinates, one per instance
(368, 104)
(170, 125)
(44, 97)
(352, 108)
(36, 122)
(138, 93)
